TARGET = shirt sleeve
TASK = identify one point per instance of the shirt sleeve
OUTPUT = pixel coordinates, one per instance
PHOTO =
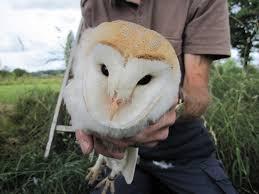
(207, 31)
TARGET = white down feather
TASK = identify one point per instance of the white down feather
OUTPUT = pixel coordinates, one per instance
(159, 98)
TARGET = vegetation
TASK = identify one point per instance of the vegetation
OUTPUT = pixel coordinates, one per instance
(69, 44)
(244, 23)
(13, 86)
(4, 73)
(29, 173)
(23, 136)
(233, 117)
(19, 72)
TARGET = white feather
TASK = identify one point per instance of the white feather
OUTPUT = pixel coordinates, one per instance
(87, 93)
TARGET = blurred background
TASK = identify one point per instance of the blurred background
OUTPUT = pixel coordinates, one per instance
(35, 41)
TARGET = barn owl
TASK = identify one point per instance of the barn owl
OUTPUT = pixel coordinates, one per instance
(124, 77)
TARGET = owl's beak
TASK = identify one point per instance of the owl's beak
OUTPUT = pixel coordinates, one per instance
(115, 105)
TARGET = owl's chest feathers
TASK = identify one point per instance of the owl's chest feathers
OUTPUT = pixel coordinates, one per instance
(120, 133)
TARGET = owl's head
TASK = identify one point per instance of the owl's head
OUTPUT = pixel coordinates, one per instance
(128, 74)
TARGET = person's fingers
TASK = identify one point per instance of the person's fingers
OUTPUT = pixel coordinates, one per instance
(159, 135)
(121, 143)
(148, 137)
(165, 121)
(108, 152)
(124, 143)
(156, 136)
(147, 134)
(162, 134)
(85, 141)
(151, 144)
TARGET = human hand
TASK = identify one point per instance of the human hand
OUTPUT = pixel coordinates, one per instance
(148, 137)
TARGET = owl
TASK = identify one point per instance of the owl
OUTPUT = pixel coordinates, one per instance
(125, 76)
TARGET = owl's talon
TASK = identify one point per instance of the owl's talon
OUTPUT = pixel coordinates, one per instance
(108, 183)
(92, 175)
(87, 177)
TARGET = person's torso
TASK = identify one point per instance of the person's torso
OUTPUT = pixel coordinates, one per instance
(168, 17)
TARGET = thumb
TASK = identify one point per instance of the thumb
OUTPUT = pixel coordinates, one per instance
(85, 141)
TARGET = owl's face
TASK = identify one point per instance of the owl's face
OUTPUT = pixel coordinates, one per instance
(121, 91)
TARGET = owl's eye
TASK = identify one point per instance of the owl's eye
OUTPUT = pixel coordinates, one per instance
(145, 80)
(104, 70)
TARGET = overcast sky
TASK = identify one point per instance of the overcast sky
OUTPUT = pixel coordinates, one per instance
(33, 32)
(42, 4)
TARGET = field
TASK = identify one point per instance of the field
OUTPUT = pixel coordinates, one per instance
(26, 110)
(11, 89)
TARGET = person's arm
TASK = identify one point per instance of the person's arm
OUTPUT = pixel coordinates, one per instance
(195, 86)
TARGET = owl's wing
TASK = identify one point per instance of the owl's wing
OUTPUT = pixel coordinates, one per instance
(129, 170)
(75, 105)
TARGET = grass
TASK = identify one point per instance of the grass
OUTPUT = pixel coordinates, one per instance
(29, 173)
(233, 117)
(11, 88)
(11, 93)
(23, 137)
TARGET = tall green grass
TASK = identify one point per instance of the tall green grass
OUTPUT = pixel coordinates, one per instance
(26, 125)
(234, 117)
(22, 144)
(28, 173)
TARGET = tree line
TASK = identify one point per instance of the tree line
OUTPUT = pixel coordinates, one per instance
(244, 25)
